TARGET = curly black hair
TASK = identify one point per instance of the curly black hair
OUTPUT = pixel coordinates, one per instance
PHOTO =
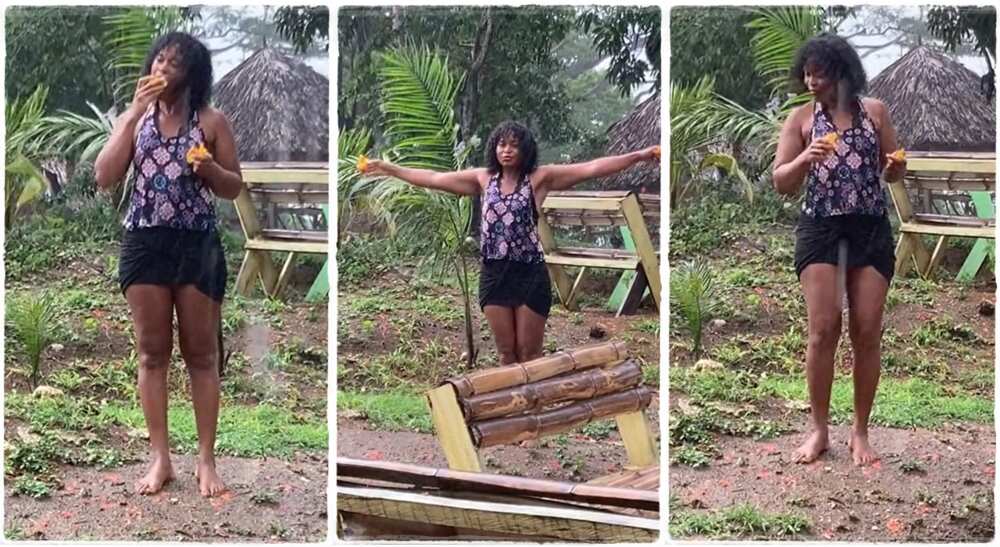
(526, 145)
(196, 61)
(835, 58)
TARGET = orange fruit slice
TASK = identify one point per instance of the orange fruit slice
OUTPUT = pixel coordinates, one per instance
(198, 153)
(362, 163)
(898, 155)
(831, 138)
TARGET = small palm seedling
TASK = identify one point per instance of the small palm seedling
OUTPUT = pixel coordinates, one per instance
(693, 293)
(33, 321)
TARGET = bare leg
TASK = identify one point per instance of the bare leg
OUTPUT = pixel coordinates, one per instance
(502, 323)
(198, 321)
(819, 283)
(867, 290)
(152, 312)
(530, 333)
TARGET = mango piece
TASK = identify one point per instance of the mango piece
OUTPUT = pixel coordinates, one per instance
(198, 153)
(898, 155)
(831, 138)
(362, 163)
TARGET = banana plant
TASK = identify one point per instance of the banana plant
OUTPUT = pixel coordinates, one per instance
(24, 181)
(418, 98)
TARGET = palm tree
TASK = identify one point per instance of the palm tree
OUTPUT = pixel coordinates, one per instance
(418, 93)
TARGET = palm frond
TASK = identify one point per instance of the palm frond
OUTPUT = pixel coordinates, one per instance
(129, 35)
(780, 32)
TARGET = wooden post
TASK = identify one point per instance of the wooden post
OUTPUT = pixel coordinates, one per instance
(261, 262)
(282, 280)
(452, 433)
(639, 443)
(643, 244)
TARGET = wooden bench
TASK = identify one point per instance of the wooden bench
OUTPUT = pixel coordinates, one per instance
(283, 208)
(639, 259)
(549, 395)
(944, 196)
(389, 500)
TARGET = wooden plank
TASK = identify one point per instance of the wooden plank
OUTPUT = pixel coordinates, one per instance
(637, 290)
(900, 201)
(282, 281)
(284, 245)
(308, 165)
(556, 272)
(451, 431)
(618, 194)
(935, 256)
(561, 259)
(284, 176)
(621, 289)
(643, 245)
(646, 478)
(249, 270)
(975, 260)
(576, 285)
(568, 524)
(942, 230)
(595, 204)
(638, 439)
(316, 236)
(904, 254)
(487, 483)
(961, 165)
(952, 220)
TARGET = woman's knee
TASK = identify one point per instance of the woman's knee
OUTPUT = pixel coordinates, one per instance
(154, 352)
(865, 334)
(824, 332)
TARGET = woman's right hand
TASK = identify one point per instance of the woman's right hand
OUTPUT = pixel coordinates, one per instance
(147, 89)
(378, 168)
(819, 150)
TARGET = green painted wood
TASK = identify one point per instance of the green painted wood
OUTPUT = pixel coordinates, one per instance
(981, 249)
(321, 286)
(621, 289)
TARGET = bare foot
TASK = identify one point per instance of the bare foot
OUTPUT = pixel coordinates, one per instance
(861, 451)
(209, 482)
(159, 474)
(815, 445)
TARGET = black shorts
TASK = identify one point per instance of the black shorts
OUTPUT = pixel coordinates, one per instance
(869, 242)
(172, 257)
(512, 284)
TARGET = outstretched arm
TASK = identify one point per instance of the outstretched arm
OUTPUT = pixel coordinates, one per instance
(565, 176)
(463, 183)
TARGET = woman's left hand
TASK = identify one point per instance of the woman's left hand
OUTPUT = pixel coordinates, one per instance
(650, 154)
(894, 169)
(205, 168)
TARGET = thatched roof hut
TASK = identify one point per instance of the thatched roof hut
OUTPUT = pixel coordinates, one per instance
(639, 129)
(936, 103)
(278, 106)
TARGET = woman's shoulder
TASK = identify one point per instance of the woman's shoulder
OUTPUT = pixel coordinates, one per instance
(873, 105)
(210, 115)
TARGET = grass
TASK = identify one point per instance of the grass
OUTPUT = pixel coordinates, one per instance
(390, 411)
(251, 432)
(912, 402)
(737, 522)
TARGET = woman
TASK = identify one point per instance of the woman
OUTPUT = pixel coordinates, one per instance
(514, 290)
(844, 202)
(171, 255)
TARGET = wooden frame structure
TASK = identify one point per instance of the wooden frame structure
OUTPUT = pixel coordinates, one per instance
(273, 191)
(941, 178)
(615, 208)
(387, 500)
(517, 402)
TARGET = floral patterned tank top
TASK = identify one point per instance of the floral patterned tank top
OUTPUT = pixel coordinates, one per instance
(848, 181)
(510, 223)
(167, 191)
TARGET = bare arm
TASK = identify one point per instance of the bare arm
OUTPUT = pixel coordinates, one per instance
(112, 162)
(463, 183)
(893, 170)
(793, 158)
(565, 176)
(221, 173)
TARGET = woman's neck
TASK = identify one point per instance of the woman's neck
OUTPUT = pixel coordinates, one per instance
(511, 176)
(173, 105)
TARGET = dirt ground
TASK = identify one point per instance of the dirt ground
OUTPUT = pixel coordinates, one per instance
(270, 500)
(929, 486)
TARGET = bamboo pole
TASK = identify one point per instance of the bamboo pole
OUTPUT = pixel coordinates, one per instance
(576, 386)
(494, 379)
(521, 428)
